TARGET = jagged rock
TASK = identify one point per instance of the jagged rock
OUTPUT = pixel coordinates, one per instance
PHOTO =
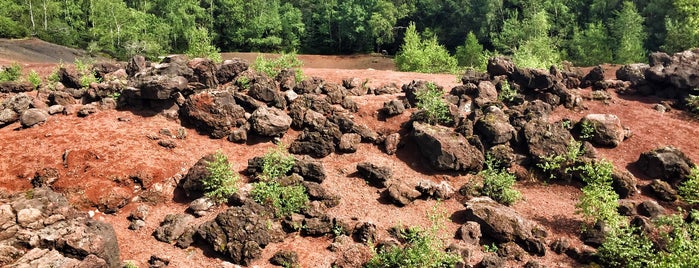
(317, 226)
(334, 92)
(503, 224)
(192, 182)
(595, 75)
(624, 183)
(650, 208)
(365, 232)
(48, 232)
(32, 117)
(316, 192)
(349, 142)
(634, 73)
(311, 85)
(201, 206)
(492, 260)
(313, 143)
(546, 139)
(18, 103)
(473, 76)
(113, 200)
(264, 89)
(239, 135)
(378, 176)
(391, 143)
(309, 169)
(494, 127)
(8, 116)
(159, 87)
(606, 129)
(286, 258)
(240, 233)
(469, 232)
(349, 254)
(158, 262)
(401, 194)
(172, 227)
(270, 121)
(666, 163)
(500, 66)
(440, 191)
(136, 64)
(230, 69)
(393, 107)
(212, 113)
(87, 110)
(662, 190)
(413, 87)
(486, 94)
(15, 87)
(510, 251)
(626, 207)
(532, 79)
(446, 150)
(68, 79)
(204, 72)
(560, 245)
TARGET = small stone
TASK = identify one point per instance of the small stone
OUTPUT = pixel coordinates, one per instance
(169, 144)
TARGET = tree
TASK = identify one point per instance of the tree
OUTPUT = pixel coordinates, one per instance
(471, 53)
(426, 56)
(682, 28)
(628, 33)
(591, 46)
(199, 45)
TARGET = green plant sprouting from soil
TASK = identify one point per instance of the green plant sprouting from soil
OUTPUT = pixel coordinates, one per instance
(222, 181)
(11, 73)
(498, 182)
(556, 164)
(689, 189)
(285, 198)
(430, 100)
(272, 67)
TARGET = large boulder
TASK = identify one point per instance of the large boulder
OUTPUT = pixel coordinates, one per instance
(15, 87)
(136, 65)
(240, 233)
(500, 66)
(204, 72)
(595, 75)
(309, 169)
(33, 117)
(313, 143)
(270, 121)
(494, 127)
(159, 87)
(192, 182)
(666, 163)
(445, 149)
(61, 98)
(503, 224)
(213, 113)
(68, 79)
(532, 79)
(545, 139)
(44, 230)
(606, 129)
(230, 69)
(634, 73)
(378, 176)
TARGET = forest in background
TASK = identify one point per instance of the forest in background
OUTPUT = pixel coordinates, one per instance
(585, 32)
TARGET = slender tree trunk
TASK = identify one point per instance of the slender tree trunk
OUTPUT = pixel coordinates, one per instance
(31, 15)
(45, 16)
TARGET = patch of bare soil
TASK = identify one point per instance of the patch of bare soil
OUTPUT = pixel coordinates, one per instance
(103, 150)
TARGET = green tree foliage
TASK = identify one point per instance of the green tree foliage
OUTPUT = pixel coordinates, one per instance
(423, 55)
(682, 26)
(471, 53)
(591, 46)
(199, 45)
(629, 35)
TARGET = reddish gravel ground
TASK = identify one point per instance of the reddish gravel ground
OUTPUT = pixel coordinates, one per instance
(106, 147)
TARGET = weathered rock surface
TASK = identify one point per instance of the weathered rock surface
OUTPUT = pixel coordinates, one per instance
(665, 163)
(213, 113)
(445, 149)
(33, 117)
(545, 139)
(606, 129)
(270, 121)
(41, 229)
(15, 87)
(172, 227)
(192, 182)
(379, 176)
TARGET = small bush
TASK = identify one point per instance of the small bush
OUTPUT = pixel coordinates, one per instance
(199, 45)
(555, 165)
(33, 77)
(498, 183)
(272, 67)
(599, 201)
(626, 247)
(425, 56)
(692, 104)
(87, 76)
(221, 182)
(471, 53)
(285, 200)
(689, 189)
(11, 73)
(507, 93)
(431, 101)
(276, 163)
(421, 249)
(587, 130)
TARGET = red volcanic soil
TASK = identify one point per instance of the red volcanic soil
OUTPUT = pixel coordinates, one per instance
(96, 155)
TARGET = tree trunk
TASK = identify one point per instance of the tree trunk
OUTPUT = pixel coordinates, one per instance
(45, 16)
(31, 15)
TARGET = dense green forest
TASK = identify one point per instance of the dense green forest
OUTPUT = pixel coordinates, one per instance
(585, 32)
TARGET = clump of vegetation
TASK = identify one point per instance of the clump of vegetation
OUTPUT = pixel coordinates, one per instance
(599, 201)
(87, 76)
(471, 53)
(421, 248)
(689, 189)
(555, 165)
(272, 67)
(431, 101)
(34, 79)
(11, 73)
(199, 45)
(507, 92)
(587, 130)
(626, 247)
(285, 199)
(130, 264)
(222, 181)
(425, 56)
(498, 182)
(692, 104)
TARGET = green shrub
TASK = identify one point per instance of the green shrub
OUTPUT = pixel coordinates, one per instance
(587, 130)
(33, 77)
(507, 93)
(11, 73)
(471, 53)
(425, 56)
(680, 238)
(221, 182)
(130, 264)
(555, 165)
(87, 76)
(599, 202)
(276, 163)
(285, 200)
(626, 247)
(689, 189)
(692, 104)
(272, 67)
(430, 99)
(421, 249)
(199, 45)
(498, 183)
